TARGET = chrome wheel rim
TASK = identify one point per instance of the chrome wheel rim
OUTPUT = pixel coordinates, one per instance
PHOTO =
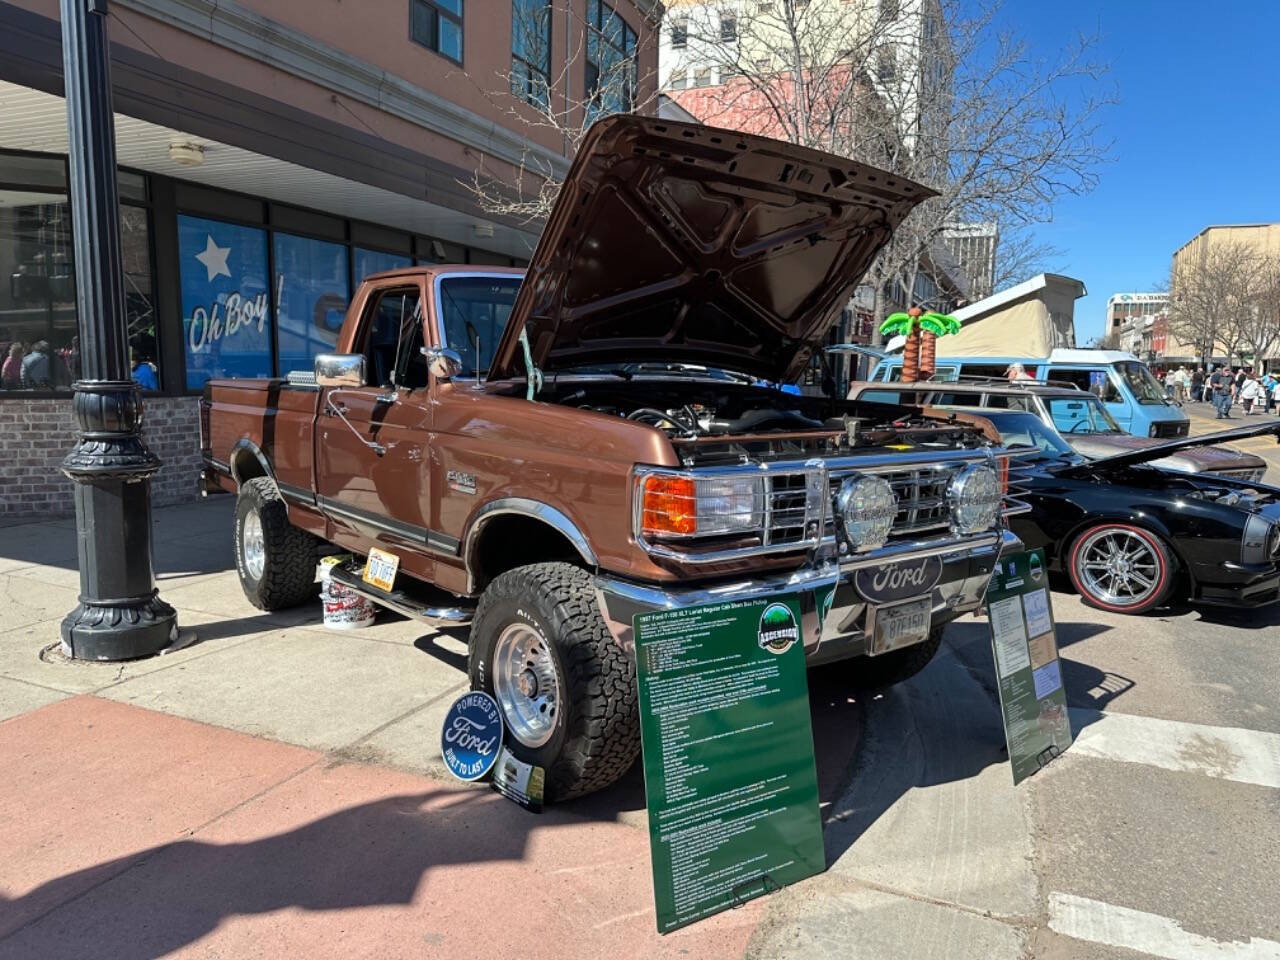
(1118, 567)
(526, 684)
(252, 546)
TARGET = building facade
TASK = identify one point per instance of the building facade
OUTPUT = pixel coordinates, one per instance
(1123, 307)
(271, 155)
(973, 245)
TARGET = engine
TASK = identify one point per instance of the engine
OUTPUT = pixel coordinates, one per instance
(735, 423)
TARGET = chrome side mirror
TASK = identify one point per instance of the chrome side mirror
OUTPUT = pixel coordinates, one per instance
(443, 363)
(340, 369)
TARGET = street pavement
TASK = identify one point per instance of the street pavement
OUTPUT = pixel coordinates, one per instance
(273, 789)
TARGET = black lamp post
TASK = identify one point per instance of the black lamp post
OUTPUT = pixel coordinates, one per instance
(120, 615)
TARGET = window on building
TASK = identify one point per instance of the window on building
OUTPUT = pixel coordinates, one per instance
(728, 28)
(611, 73)
(886, 65)
(226, 323)
(311, 293)
(680, 33)
(889, 9)
(368, 262)
(764, 6)
(678, 79)
(39, 333)
(531, 51)
(728, 71)
(437, 25)
(702, 77)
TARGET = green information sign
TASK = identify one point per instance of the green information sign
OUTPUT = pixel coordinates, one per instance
(1032, 697)
(728, 755)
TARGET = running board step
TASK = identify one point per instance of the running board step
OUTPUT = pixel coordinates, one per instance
(403, 603)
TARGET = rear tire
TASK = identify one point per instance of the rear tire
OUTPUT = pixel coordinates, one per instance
(1134, 577)
(275, 560)
(567, 691)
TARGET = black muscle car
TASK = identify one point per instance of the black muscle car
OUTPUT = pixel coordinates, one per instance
(1131, 537)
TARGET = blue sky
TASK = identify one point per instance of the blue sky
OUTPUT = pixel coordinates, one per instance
(1196, 133)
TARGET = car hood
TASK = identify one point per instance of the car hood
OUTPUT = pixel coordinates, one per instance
(677, 242)
(1194, 460)
(1160, 450)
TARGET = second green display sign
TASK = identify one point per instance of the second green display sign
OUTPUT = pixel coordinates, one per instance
(728, 755)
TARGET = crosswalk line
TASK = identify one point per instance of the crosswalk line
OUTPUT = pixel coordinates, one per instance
(1229, 753)
(1150, 933)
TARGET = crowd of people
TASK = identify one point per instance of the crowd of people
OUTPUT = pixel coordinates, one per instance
(1224, 388)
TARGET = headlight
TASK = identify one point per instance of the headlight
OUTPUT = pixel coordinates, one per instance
(1154, 431)
(729, 504)
(675, 505)
(867, 506)
(975, 498)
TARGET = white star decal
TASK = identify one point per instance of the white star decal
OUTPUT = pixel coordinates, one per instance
(214, 259)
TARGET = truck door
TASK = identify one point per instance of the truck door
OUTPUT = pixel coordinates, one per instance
(371, 441)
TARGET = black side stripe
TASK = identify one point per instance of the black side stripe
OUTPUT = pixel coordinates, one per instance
(433, 540)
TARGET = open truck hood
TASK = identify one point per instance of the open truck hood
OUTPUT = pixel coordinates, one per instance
(1158, 451)
(677, 242)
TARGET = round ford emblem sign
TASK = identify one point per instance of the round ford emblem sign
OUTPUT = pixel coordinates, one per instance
(471, 736)
(898, 581)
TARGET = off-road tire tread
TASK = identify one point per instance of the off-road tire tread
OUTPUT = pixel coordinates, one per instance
(873, 673)
(603, 733)
(289, 574)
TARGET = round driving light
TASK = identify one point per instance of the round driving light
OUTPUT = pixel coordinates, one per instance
(975, 498)
(867, 507)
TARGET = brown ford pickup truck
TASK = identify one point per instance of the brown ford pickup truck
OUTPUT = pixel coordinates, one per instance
(548, 455)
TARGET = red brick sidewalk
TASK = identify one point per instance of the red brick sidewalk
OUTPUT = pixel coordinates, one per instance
(129, 833)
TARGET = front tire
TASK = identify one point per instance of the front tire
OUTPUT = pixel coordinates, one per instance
(275, 560)
(1120, 568)
(567, 691)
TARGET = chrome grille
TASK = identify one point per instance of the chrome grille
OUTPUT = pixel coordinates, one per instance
(921, 493)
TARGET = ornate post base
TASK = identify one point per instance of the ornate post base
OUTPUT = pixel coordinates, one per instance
(120, 616)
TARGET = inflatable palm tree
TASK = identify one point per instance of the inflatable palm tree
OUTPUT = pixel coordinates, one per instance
(932, 326)
(906, 325)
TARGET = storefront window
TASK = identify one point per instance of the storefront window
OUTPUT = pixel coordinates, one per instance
(139, 301)
(38, 299)
(226, 327)
(311, 297)
(375, 261)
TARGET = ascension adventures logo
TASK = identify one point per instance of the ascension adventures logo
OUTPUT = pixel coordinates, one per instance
(778, 630)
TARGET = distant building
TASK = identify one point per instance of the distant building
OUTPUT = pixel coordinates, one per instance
(973, 245)
(1123, 307)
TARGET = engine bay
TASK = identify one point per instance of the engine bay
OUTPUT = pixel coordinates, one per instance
(710, 423)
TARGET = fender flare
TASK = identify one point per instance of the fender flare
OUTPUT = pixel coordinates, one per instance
(243, 445)
(522, 506)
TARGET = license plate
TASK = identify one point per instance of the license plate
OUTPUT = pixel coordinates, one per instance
(380, 569)
(900, 624)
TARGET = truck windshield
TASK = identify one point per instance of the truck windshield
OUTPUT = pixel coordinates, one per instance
(474, 308)
(1071, 415)
(1145, 387)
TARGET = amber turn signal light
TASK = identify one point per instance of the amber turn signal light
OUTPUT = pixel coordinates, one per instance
(668, 505)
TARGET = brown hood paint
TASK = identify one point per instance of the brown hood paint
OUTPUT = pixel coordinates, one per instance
(675, 242)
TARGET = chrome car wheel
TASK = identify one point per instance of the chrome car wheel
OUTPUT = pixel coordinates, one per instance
(1118, 567)
(526, 684)
(252, 545)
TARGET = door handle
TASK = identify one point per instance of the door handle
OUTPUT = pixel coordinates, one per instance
(335, 408)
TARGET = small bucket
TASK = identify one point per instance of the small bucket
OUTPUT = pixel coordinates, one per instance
(343, 609)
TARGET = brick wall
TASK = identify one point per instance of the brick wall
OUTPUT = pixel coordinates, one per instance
(36, 434)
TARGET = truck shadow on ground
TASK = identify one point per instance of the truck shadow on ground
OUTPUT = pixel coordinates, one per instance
(944, 727)
(152, 902)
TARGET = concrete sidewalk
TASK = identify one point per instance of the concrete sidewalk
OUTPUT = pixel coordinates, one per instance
(274, 789)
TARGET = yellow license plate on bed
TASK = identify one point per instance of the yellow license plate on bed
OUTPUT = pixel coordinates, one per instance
(380, 569)
(900, 624)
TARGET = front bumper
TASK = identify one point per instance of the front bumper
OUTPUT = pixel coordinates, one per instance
(1250, 585)
(967, 565)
